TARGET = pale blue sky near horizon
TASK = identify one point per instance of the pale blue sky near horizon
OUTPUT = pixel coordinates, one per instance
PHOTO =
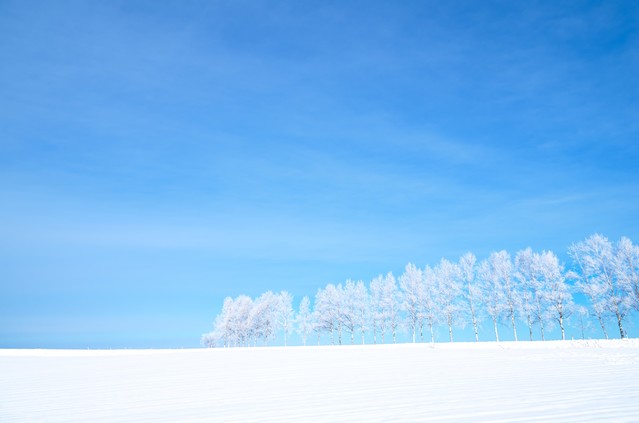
(158, 157)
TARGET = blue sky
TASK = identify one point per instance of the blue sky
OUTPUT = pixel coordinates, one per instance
(157, 157)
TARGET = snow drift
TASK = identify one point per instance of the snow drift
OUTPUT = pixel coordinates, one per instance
(508, 381)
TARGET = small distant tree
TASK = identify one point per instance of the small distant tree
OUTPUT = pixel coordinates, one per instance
(326, 311)
(285, 314)
(582, 312)
(349, 308)
(263, 317)
(304, 319)
(410, 283)
(317, 325)
(242, 311)
(449, 294)
(361, 306)
(505, 268)
(329, 305)
(524, 274)
(501, 289)
(391, 305)
(467, 271)
(378, 322)
(209, 340)
(558, 292)
(493, 292)
(224, 325)
(430, 302)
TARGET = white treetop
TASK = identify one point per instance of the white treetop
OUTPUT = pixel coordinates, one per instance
(472, 292)
(608, 294)
(558, 293)
(391, 305)
(411, 282)
(430, 301)
(449, 294)
(304, 319)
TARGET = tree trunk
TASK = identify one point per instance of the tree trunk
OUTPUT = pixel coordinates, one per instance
(496, 331)
(603, 326)
(472, 313)
(540, 316)
(561, 325)
(622, 333)
(475, 328)
(512, 319)
(432, 334)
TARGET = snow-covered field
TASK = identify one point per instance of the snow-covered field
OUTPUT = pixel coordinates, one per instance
(551, 381)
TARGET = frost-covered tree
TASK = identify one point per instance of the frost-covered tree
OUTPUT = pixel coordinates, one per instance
(263, 317)
(410, 283)
(209, 340)
(224, 322)
(231, 326)
(524, 274)
(501, 271)
(472, 292)
(304, 319)
(285, 314)
(336, 296)
(558, 292)
(492, 292)
(429, 301)
(582, 312)
(378, 322)
(511, 290)
(328, 308)
(391, 305)
(533, 290)
(595, 258)
(242, 310)
(626, 271)
(598, 298)
(317, 324)
(361, 306)
(349, 308)
(449, 292)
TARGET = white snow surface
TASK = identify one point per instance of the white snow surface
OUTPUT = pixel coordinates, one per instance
(566, 381)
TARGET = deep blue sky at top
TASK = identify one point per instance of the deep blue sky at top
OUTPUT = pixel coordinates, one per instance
(156, 157)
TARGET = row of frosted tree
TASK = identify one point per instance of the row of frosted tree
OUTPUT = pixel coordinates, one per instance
(532, 288)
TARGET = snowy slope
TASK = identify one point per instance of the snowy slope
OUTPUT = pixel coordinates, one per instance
(551, 381)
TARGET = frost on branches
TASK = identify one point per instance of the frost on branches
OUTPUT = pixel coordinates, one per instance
(533, 289)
